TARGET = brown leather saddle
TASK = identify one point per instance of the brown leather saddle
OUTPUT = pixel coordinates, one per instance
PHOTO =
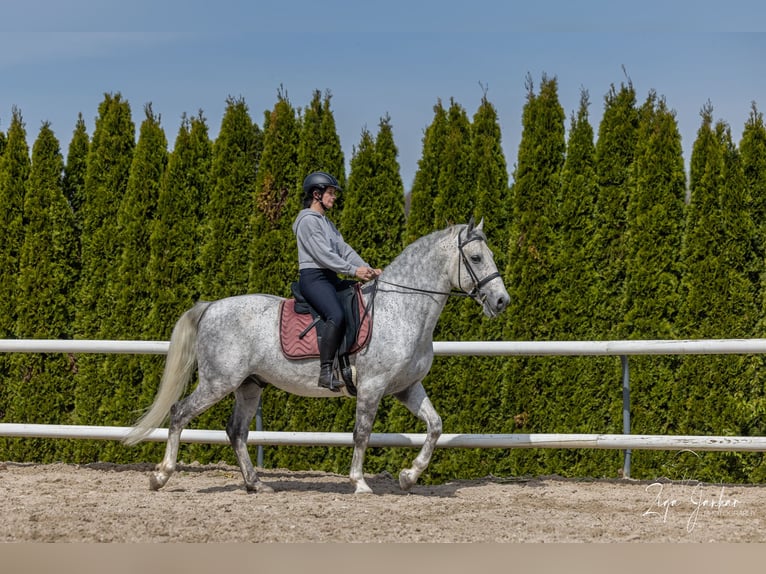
(300, 325)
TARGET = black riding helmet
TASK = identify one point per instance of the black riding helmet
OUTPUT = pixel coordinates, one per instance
(320, 181)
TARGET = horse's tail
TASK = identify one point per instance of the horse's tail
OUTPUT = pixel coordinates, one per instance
(179, 366)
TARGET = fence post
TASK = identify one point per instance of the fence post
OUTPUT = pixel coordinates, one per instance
(625, 411)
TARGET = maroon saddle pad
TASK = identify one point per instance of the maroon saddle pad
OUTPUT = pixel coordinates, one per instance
(292, 325)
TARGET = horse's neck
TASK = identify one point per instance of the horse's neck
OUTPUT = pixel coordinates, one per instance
(421, 275)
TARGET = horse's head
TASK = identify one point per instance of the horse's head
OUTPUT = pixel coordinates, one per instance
(477, 273)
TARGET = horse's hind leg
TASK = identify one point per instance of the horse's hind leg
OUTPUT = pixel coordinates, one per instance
(203, 397)
(416, 400)
(247, 397)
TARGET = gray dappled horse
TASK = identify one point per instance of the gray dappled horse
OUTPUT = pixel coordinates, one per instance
(234, 343)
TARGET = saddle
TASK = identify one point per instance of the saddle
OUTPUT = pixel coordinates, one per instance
(300, 326)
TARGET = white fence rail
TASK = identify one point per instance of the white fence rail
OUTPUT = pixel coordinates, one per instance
(623, 349)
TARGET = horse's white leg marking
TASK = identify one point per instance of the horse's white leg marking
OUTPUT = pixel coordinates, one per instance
(417, 401)
(367, 402)
(181, 414)
(246, 401)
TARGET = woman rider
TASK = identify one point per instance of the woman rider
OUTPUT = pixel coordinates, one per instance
(322, 256)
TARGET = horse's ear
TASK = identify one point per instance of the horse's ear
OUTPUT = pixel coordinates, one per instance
(470, 226)
(480, 227)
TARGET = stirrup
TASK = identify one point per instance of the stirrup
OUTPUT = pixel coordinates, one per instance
(327, 380)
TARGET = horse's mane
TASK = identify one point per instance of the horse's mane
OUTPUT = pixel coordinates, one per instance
(451, 231)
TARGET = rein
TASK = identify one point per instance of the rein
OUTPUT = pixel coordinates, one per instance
(474, 293)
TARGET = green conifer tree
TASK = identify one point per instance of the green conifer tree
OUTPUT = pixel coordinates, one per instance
(227, 236)
(14, 171)
(456, 185)
(420, 217)
(654, 231)
(615, 148)
(278, 198)
(129, 288)
(490, 174)
(42, 387)
(753, 150)
(106, 181)
(718, 297)
(374, 208)
(531, 255)
(591, 405)
(76, 168)
(174, 246)
(225, 253)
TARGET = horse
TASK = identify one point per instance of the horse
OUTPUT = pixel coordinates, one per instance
(234, 344)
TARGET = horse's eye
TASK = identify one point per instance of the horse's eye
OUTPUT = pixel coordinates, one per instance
(476, 258)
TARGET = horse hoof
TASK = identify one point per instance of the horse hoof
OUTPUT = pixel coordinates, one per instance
(156, 481)
(362, 488)
(406, 481)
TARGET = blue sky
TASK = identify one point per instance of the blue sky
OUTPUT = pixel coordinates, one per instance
(58, 59)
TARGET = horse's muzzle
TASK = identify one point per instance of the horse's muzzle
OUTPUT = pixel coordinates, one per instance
(495, 304)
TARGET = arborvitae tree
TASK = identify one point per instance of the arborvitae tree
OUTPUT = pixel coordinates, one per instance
(615, 149)
(373, 218)
(456, 185)
(2, 143)
(420, 218)
(595, 403)
(531, 249)
(655, 224)
(42, 387)
(129, 288)
(106, 181)
(490, 174)
(577, 204)
(319, 148)
(174, 243)
(14, 171)
(753, 150)
(718, 297)
(453, 202)
(273, 251)
(532, 256)
(174, 246)
(227, 233)
(76, 168)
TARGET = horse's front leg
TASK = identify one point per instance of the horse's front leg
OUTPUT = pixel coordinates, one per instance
(367, 402)
(417, 401)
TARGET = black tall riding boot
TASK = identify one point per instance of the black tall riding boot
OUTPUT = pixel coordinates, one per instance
(328, 346)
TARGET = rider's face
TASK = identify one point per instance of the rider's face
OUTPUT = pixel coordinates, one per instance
(328, 197)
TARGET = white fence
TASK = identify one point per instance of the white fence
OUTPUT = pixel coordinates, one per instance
(623, 349)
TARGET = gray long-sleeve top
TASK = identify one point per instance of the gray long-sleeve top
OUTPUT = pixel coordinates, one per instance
(321, 246)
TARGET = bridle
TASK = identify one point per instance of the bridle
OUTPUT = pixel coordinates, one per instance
(474, 293)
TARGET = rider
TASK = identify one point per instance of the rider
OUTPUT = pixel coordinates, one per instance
(322, 255)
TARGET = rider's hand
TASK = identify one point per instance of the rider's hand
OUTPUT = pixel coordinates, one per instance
(367, 273)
